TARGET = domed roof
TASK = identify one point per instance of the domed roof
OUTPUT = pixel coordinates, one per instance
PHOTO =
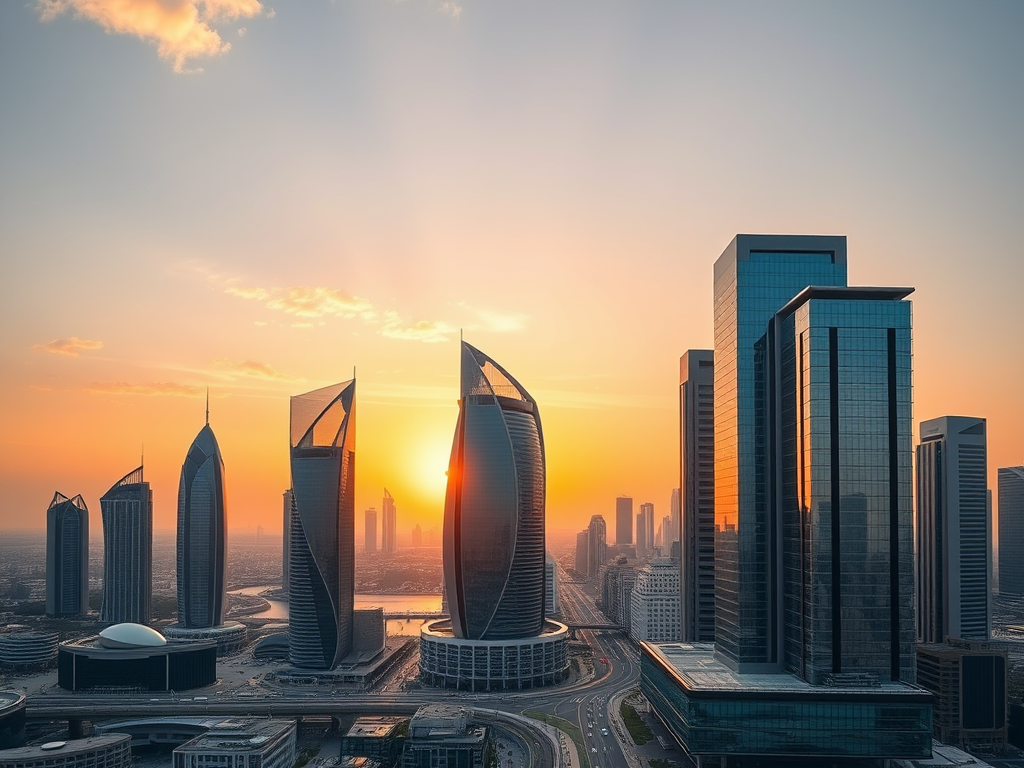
(131, 636)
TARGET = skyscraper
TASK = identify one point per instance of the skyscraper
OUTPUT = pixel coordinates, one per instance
(646, 541)
(623, 520)
(814, 525)
(127, 511)
(417, 535)
(1011, 531)
(389, 525)
(370, 529)
(697, 491)
(494, 507)
(582, 560)
(676, 515)
(202, 534)
(954, 535)
(597, 541)
(67, 556)
(286, 544)
(322, 573)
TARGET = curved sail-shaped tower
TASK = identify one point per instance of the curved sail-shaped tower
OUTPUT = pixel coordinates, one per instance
(494, 507)
(321, 579)
(67, 556)
(202, 535)
(127, 510)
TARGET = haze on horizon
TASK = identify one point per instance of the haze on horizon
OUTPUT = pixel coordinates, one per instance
(351, 183)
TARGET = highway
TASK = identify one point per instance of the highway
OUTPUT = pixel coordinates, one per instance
(584, 704)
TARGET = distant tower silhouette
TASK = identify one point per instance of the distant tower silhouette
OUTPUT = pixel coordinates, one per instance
(389, 525)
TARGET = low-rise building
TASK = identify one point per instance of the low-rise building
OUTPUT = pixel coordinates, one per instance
(442, 736)
(22, 648)
(248, 742)
(108, 751)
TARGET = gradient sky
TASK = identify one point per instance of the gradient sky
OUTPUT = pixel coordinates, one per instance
(258, 197)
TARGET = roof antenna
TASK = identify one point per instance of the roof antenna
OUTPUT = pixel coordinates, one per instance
(353, 371)
(142, 457)
(207, 406)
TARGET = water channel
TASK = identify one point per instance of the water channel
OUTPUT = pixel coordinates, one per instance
(390, 603)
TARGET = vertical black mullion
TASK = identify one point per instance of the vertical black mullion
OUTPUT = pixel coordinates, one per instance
(837, 555)
(894, 505)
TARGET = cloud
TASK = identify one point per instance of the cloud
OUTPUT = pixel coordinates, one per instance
(70, 346)
(180, 29)
(499, 322)
(248, 293)
(430, 331)
(251, 368)
(165, 388)
(452, 9)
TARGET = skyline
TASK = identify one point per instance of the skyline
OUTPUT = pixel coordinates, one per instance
(369, 169)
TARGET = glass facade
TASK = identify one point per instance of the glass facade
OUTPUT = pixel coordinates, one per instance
(841, 402)
(1011, 531)
(67, 556)
(754, 278)
(321, 587)
(127, 511)
(494, 507)
(715, 717)
(202, 535)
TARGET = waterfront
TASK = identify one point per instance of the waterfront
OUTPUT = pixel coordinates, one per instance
(390, 603)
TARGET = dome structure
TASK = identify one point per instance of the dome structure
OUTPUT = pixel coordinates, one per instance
(129, 635)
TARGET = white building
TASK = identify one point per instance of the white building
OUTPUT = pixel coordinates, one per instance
(241, 743)
(655, 602)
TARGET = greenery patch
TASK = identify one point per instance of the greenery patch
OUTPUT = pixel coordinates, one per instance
(638, 730)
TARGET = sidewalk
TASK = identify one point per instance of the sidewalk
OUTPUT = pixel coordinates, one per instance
(625, 740)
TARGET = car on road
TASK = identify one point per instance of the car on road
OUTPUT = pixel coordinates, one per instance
(604, 731)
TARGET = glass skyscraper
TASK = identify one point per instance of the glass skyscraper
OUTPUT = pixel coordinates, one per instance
(67, 556)
(954, 533)
(1011, 531)
(202, 535)
(127, 510)
(494, 507)
(623, 520)
(321, 589)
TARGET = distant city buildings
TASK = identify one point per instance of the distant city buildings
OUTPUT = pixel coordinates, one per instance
(202, 535)
(1011, 531)
(814, 577)
(370, 530)
(676, 515)
(389, 525)
(582, 560)
(697, 491)
(617, 582)
(417, 536)
(623, 520)
(322, 573)
(654, 602)
(645, 530)
(286, 544)
(127, 511)
(67, 556)
(597, 546)
(954, 533)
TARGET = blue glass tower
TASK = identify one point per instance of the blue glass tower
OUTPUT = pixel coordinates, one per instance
(202, 535)
(321, 573)
(67, 556)
(127, 510)
(494, 507)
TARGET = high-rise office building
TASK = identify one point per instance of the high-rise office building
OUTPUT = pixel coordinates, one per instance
(286, 544)
(127, 512)
(494, 507)
(697, 491)
(814, 525)
(1011, 531)
(676, 515)
(321, 590)
(389, 525)
(954, 535)
(597, 544)
(417, 535)
(582, 560)
(645, 530)
(67, 556)
(370, 530)
(202, 535)
(623, 520)
(654, 602)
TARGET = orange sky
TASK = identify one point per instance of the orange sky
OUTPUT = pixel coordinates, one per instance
(349, 184)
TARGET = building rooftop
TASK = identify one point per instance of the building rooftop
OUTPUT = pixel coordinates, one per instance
(694, 665)
(64, 748)
(238, 733)
(434, 720)
(374, 726)
(10, 699)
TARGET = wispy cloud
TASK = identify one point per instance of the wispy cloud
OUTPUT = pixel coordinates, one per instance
(181, 29)
(430, 331)
(161, 388)
(302, 301)
(450, 8)
(70, 346)
(252, 369)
